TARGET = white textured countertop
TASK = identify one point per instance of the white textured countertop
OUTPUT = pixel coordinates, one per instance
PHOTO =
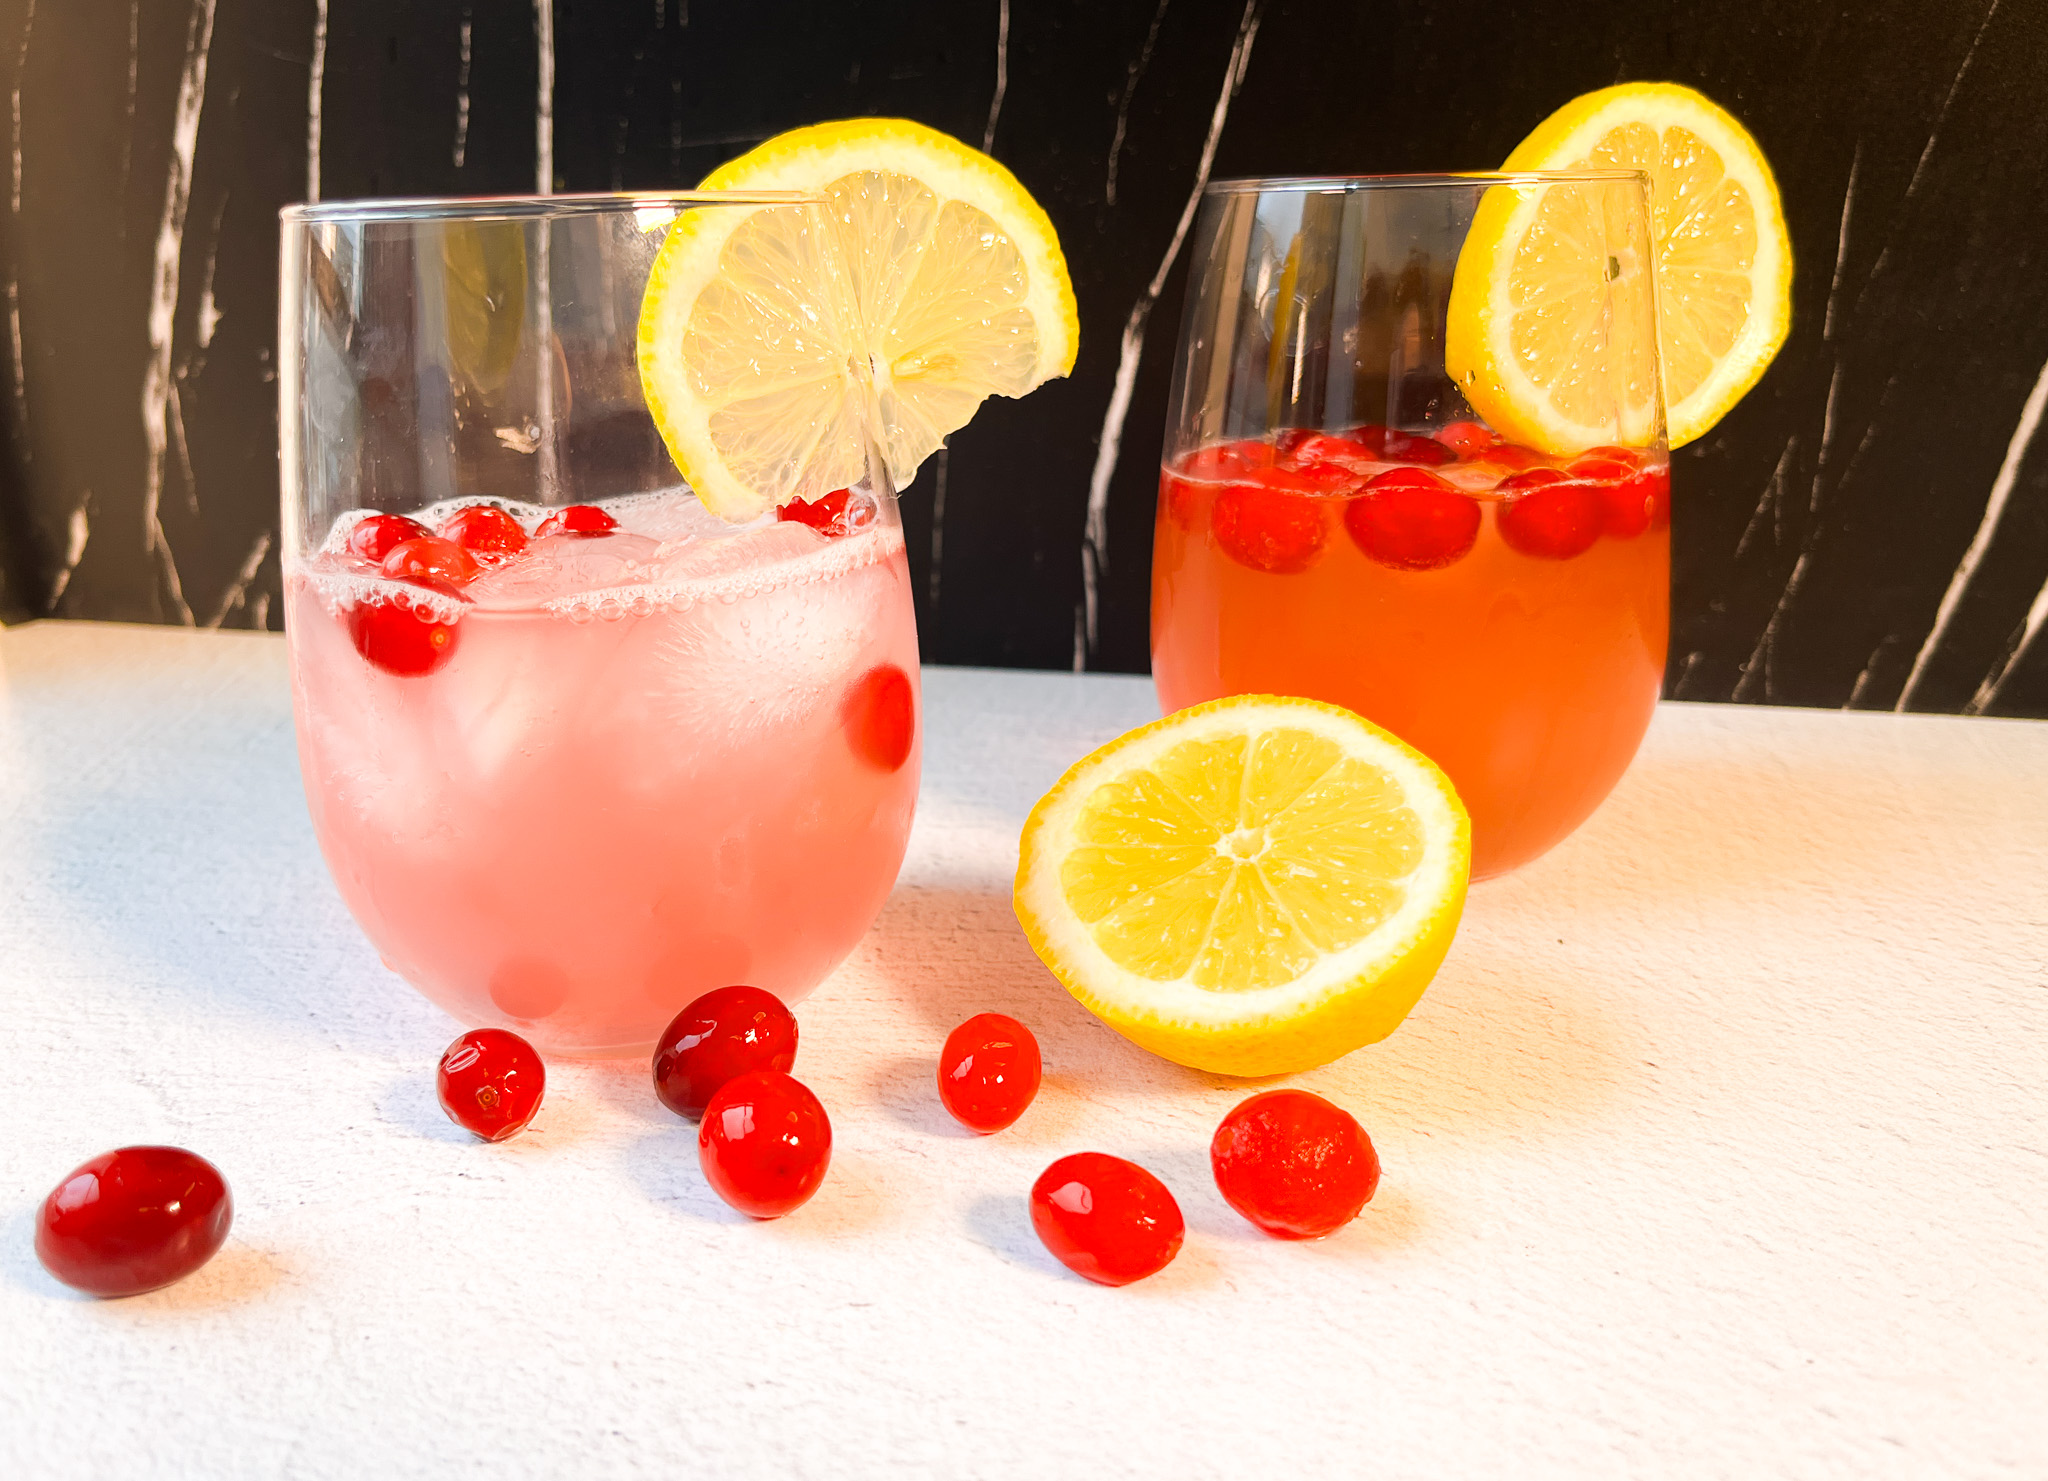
(1718, 1148)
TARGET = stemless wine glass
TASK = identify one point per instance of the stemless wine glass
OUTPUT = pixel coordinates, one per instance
(575, 750)
(1337, 521)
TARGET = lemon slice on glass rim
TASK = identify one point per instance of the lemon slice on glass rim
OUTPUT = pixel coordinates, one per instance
(1252, 886)
(775, 343)
(1531, 287)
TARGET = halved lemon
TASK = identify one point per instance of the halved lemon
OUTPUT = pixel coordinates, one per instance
(1252, 886)
(775, 343)
(1549, 290)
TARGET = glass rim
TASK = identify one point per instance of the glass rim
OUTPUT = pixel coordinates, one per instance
(529, 207)
(1335, 184)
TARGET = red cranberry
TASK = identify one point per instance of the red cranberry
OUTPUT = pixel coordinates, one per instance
(1307, 449)
(1655, 481)
(1295, 1165)
(1391, 446)
(764, 1143)
(577, 519)
(988, 1071)
(1549, 516)
(490, 1082)
(400, 640)
(373, 537)
(1511, 456)
(431, 561)
(1221, 461)
(1179, 499)
(1467, 439)
(1413, 521)
(486, 532)
(133, 1219)
(1627, 457)
(832, 516)
(1105, 1218)
(720, 1036)
(880, 715)
(1273, 522)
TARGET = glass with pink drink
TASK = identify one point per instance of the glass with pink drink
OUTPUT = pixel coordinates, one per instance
(575, 750)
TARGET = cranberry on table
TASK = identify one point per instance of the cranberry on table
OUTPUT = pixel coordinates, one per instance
(1294, 1164)
(989, 1072)
(764, 1143)
(880, 715)
(1106, 1219)
(485, 531)
(721, 1035)
(1549, 515)
(1272, 522)
(577, 519)
(1413, 521)
(374, 536)
(400, 639)
(133, 1219)
(490, 1082)
(431, 561)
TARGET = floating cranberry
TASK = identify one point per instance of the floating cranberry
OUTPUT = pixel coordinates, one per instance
(1392, 446)
(1467, 439)
(1295, 1165)
(1272, 522)
(1627, 457)
(764, 1143)
(1105, 1218)
(1511, 456)
(400, 639)
(1179, 500)
(486, 532)
(431, 561)
(835, 515)
(133, 1219)
(577, 519)
(1220, 462)
(373, 537)
(1548, 515)
(880, 715)
(988, 1072)
(490, 1082)
(1413, 521)
(725, 1033)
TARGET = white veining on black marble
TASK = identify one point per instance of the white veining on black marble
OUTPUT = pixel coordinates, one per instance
(157, 389)
(2022, 644)
(462, 95)
(74, 548)
(1773, 500)
(1827, 332)
(23, 445)
(544, 105)
(1927, 149)
(1123, 107)
(1095, 539)
(134, 75)
(995, 102)
(238, 590)
(1987, 528)
(316, 85)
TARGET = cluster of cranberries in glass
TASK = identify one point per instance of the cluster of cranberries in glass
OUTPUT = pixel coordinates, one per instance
(413, 638)
(1410, 502)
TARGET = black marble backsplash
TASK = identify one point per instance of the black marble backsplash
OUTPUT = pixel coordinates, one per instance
(1869, 529)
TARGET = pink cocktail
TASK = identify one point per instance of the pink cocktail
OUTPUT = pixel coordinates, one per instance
(648, 763)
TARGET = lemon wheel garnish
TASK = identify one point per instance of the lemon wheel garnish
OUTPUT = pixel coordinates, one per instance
(1541, 278)
(1252, 886)
(775, 343)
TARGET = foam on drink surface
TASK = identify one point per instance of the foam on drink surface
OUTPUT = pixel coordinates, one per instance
(668, 554)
